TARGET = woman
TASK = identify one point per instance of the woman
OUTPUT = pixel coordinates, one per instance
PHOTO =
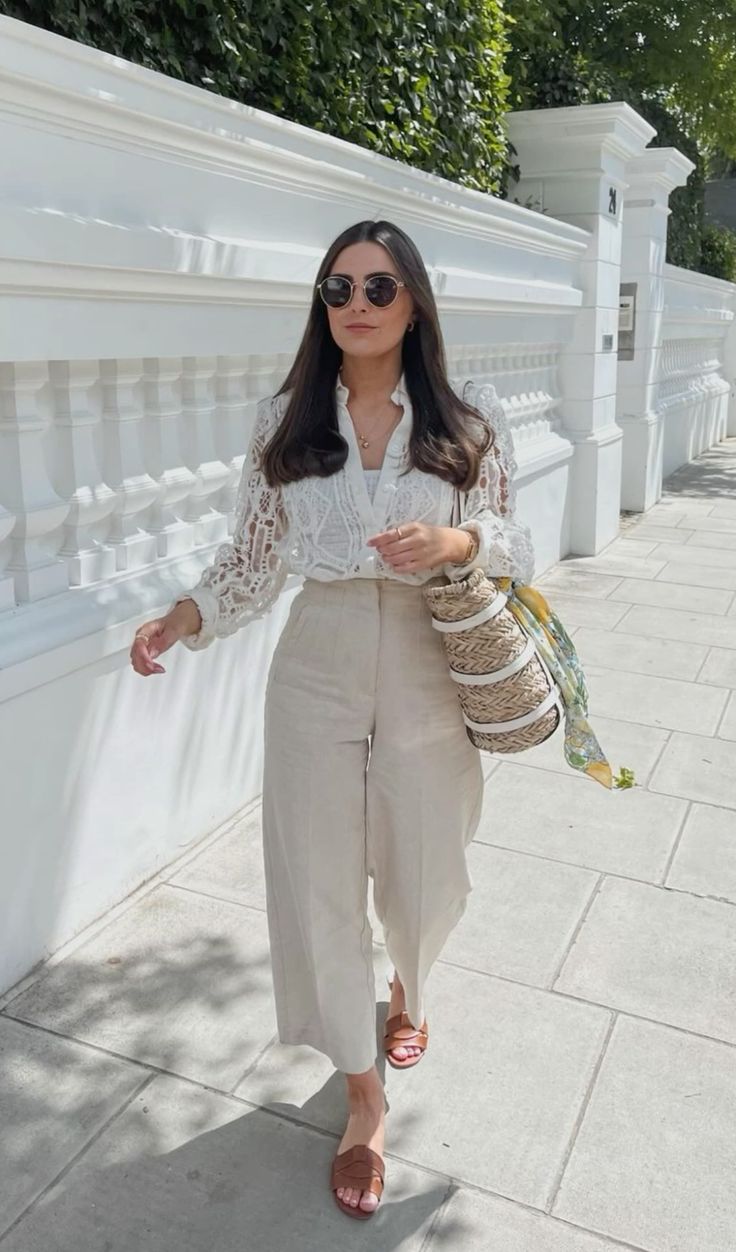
(349, 480)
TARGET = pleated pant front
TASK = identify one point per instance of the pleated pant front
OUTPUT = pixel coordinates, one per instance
(368, 771)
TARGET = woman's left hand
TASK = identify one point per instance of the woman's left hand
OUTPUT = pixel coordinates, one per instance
(420, 547)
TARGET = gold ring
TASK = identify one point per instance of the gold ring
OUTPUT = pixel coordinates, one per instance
(398, 532)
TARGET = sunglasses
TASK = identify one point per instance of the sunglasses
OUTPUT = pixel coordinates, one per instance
(380, 290)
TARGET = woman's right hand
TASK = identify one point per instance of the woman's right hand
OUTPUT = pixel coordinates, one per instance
(151, 640)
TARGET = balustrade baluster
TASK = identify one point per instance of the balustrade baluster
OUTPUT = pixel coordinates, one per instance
(163, 443)
(76, 470)
(210, 472)
(124, 467)
(7, 587)
(26, 491)
(233, 424)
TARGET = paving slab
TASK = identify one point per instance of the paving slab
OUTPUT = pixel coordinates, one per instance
(571, 580)
(690, 945)
(179, 981)
(652, 701)
(629, 545)
(665, 658)
(688, 626)
(724, 509)
(653, 533)
(708, 524)
(581, 610)
(698, 768)
(576, 820)
(188, 1169)
(705, 860)
(484, 1223)
(677, 502)
(623, 743)
(54, 1096)
(697, 576)
(658, 516)
(670, 596)
(725, 539)
(231, 867)
(723, 558)
(727, 728)
(623, 566)
(521, 915)
(719, 667)
(655, 1158)
(515, 1091)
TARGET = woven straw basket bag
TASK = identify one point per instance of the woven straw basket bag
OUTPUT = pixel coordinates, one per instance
(508, 696)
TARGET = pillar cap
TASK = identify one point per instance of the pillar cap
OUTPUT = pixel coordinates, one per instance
(657, 169)
(614, 127)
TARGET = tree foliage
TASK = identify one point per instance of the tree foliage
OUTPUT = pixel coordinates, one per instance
(675, 65)
(681, 55)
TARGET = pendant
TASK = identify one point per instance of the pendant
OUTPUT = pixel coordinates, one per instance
(363, 441)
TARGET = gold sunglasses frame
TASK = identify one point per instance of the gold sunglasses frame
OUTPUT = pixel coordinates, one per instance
(354, 284)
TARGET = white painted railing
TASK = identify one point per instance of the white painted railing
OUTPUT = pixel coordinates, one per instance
(158, 250)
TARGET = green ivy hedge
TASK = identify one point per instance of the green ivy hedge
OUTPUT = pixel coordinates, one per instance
(418, 81)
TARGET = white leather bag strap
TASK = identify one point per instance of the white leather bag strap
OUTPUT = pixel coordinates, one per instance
(456, 510)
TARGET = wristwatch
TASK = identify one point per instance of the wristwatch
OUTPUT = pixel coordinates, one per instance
(472, 549)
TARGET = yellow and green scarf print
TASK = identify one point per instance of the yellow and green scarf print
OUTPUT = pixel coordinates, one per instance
(582, 749)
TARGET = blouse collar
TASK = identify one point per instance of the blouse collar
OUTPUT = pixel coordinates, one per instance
(399, 395)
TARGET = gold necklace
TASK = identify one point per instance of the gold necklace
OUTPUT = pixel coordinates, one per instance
(365, 443)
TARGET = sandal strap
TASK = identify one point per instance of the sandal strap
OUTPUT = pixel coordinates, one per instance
(400, 1022)
(359, 1167)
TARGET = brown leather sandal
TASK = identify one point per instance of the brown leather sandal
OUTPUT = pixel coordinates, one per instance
(398, 1032)
(358, 1167)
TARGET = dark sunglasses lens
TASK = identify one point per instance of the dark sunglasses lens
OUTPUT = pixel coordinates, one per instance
(381, 289)
(335, 292)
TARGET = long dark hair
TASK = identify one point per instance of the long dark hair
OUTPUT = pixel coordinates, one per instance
(308, 439)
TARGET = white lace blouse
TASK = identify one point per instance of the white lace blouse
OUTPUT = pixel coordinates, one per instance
(319, 527)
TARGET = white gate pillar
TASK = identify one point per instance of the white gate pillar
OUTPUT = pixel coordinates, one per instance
(574, 162)
(651, 177)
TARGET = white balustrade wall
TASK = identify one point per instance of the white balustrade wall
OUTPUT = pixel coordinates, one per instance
(673, 393)
(159, 246)
(693, 388)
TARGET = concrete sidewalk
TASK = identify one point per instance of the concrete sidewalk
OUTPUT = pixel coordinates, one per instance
(579, 1093)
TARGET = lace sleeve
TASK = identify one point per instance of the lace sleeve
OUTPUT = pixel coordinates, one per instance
(489, 508)
(246, 575)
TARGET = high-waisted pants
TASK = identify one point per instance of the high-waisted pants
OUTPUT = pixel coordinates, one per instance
(368, 771)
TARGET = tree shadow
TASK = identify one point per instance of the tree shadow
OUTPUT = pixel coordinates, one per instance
(710, 475)
(163, 1162)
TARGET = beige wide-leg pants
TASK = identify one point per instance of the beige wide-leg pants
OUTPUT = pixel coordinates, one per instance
(368, 771)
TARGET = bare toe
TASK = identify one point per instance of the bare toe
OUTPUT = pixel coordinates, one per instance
(368, 1201)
